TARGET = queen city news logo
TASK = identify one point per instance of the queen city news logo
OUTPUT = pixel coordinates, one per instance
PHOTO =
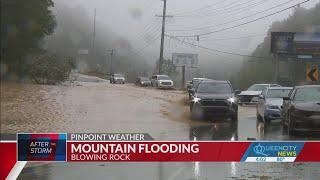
(272, 152)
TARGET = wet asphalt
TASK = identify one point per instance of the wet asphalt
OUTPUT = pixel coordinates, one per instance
(164, 114)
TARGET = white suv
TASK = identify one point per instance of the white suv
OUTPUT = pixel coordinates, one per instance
(162, 81)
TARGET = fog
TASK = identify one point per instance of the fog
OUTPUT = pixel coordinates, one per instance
(131, 28)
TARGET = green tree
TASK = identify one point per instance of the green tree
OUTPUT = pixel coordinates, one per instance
(24, 24)
(167, 68)
(260, 70)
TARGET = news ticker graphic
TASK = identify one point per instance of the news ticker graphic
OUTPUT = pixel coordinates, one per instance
(139, 147)
(86, 147)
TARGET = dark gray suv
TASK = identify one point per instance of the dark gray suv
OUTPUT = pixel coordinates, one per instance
(215, 98)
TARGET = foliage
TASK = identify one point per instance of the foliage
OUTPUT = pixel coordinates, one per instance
(260, 70)
(24, 24)
(167, 68)
(48, 69)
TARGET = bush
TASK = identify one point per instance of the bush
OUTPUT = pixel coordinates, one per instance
(49, 69)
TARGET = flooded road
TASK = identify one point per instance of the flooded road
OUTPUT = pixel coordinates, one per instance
(97, 106)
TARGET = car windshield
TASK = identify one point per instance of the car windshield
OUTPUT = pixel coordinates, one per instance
(164, 78)
(144, 79)
(214, 88)
(278, 93)
(307, 94)
(118, 75)
(257, 87)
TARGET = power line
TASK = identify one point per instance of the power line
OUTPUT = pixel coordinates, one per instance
(234, 20)
(216, 50)
(227, 9)
(241, 37)
(151, 42)
(248, 22)
(205, 7)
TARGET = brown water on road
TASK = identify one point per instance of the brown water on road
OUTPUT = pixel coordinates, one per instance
(90, 107)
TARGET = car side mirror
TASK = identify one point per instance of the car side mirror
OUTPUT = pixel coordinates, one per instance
(236, 92)
(286, 98)
(261, 96)
(191, 91)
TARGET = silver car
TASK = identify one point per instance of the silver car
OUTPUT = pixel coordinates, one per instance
(250, 96)
(269, 103)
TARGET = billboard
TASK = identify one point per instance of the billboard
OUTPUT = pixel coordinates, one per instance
(296, 44)
(184, 59)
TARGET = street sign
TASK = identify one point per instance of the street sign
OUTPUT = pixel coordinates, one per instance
(312, 73)
(296, 44)
(282, 42)
(184, 59)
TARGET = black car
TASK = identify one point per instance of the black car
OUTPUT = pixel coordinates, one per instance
(216, 98)
(301, 110)
(143, 81)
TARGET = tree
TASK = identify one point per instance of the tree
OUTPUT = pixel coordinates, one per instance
(260, 70)
(24, 24)
(167, 68)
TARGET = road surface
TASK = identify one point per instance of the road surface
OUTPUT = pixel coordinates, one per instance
(94, 105)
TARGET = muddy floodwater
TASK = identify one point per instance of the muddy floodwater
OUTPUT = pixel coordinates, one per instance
(85, 107)
(97, 106)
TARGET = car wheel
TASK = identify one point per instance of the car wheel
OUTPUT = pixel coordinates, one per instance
(196, 112)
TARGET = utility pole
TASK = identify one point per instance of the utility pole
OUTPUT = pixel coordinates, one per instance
(183, 75)
(94, 30)
(275, 69)
(162, 34)
(111, 59)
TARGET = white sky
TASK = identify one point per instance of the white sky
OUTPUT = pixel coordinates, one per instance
(135, 20)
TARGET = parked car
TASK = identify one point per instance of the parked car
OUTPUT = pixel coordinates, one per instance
(215, 98)
(143, 81)
(301, 109)
(250, 96)
(117, 78)
(194, 83)
(162, 81)
(270, 102)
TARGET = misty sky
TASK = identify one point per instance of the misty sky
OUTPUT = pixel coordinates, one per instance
(135, 21)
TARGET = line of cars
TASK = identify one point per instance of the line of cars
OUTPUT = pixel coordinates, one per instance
(158, 81)
(298, 107)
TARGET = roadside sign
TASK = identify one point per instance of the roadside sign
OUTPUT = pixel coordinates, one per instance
(312, 73)
(184, 59)
(282, 42)
(296, 44)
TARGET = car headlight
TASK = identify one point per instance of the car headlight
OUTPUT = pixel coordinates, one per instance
(232, 99)
(196, 99)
